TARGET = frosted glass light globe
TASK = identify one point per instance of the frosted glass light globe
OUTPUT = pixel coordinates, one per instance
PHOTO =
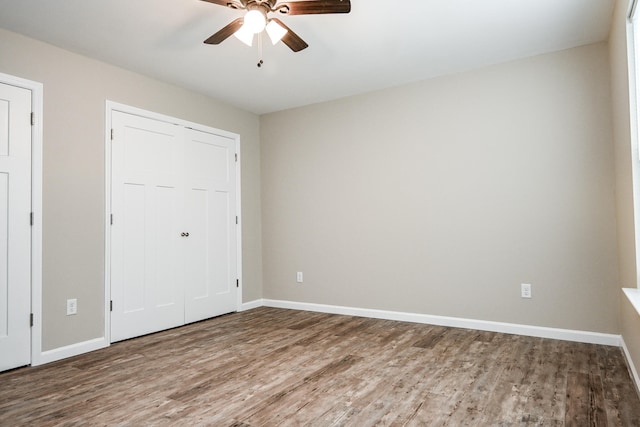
(254, 21)
(275, 31)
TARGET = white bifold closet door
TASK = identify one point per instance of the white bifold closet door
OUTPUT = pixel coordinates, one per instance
(210, 218)
(173, 236)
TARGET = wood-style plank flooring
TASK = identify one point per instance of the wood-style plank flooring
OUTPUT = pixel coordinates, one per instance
(272, 367)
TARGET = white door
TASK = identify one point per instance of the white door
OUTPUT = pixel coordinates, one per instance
(146, 262)
(15, 226)
(174, 233)
(210, 202)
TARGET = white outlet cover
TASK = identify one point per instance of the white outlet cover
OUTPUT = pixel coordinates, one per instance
(525, 290)
(299, 277)
(72, 306)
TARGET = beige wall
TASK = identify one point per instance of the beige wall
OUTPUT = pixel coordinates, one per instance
(75, 90)
(439, 197)
(627, 168)
(443, 196)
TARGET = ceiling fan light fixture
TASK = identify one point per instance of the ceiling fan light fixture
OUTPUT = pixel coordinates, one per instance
(276, 31)
(254, 21)
(244, 35)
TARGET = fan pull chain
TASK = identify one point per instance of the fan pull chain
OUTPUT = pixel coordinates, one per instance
(260, 61)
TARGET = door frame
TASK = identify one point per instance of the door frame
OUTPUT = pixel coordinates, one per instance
(36, 90)
(110, 107)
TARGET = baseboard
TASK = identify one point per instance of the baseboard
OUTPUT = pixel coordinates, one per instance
(98, 343)
(69, 351)
(630, 365)
(455, 322)
(251, 305)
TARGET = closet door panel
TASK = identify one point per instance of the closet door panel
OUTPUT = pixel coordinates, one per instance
(133, 248)
(146, 259)
(221, 256)
(211, 212)
(197, 267)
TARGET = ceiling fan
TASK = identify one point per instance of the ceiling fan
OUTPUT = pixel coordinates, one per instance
(256, 19)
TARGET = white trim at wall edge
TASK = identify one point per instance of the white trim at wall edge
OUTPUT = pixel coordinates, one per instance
(71, 350)
(630, 365)
(508, 328)
(251, 305)
(455, 322)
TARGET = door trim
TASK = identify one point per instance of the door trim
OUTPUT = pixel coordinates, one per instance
(36, 89)
(111, 106)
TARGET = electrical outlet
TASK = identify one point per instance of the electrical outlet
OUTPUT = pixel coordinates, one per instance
(299, 277)
(525, 290)
(72, 306)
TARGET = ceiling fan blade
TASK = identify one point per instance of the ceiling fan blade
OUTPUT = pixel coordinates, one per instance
(227, 31)
(220, 2)
(311, 7)
(234, 4)
(291, 39)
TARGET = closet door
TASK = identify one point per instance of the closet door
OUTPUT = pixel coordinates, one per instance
(210, 202)
(147, 284)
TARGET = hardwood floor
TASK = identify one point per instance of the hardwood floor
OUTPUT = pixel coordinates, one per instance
(284, 367)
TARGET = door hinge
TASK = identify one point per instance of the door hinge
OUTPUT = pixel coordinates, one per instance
(236, 157)
(111, 305)
(31, 320)
(237, 283)
(111, 219)
(236, 219)
(31, 219)
(33, 119)
(112, 134)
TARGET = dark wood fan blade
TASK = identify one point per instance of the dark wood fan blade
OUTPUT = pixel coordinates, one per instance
(291, 39)
(227, 31)
(311, 7)
(220, 2)
(234, 4)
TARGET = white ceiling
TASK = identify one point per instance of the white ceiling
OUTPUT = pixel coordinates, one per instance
(381, 43)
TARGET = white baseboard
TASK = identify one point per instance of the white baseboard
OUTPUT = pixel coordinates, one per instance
(455, 322)
(632, 367)
(251, 305)
(69, 351)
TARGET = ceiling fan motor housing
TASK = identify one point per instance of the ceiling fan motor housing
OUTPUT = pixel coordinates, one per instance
(260, 6)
